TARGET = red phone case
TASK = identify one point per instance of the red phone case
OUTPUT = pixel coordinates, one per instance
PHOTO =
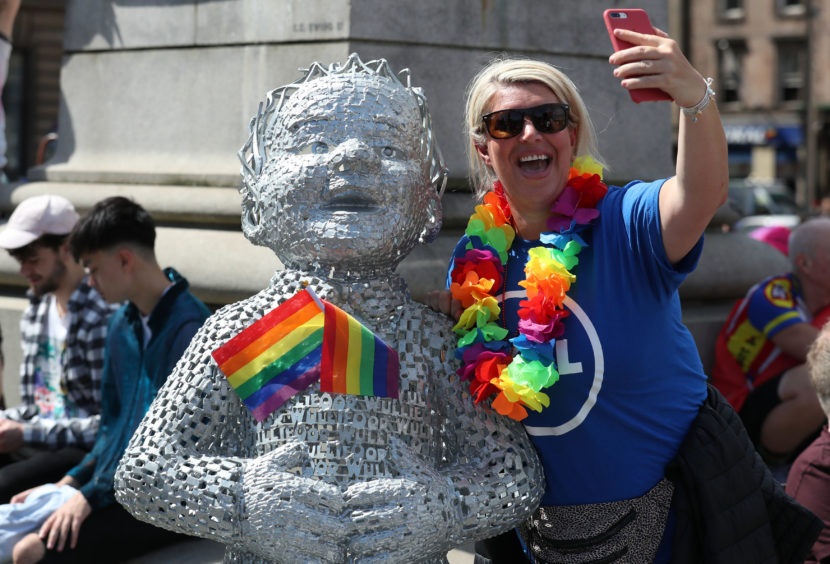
(635, 20)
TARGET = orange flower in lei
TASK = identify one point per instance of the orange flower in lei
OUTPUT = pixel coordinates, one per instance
(517, 371)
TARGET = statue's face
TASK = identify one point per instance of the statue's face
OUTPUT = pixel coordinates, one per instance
(345, 184)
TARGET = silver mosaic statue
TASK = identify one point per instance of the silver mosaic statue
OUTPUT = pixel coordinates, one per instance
(341, 178)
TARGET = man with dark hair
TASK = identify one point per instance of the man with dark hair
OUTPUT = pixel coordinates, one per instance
(146, 336)
(63, 333)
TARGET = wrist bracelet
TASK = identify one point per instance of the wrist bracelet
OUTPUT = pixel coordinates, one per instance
(698, 108)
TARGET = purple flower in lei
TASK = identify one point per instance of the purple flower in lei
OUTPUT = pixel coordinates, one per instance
(569, 215)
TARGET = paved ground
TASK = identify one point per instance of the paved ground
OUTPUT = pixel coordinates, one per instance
(200, 551)
(463, 555)
(196, 551)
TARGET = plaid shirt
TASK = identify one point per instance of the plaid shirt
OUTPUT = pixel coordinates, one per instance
(82, 364)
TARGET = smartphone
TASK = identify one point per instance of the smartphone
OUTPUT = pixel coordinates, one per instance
(635, 20)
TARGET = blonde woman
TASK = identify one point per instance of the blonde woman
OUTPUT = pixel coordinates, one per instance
(569, 317)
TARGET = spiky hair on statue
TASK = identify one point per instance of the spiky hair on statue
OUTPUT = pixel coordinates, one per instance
(254, 153)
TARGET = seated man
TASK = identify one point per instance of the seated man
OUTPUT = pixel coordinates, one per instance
(62, 333)
(761, 349)
(809, 479)
(341, 179)
(147, 336)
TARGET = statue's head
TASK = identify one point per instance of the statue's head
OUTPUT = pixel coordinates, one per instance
(341, 170)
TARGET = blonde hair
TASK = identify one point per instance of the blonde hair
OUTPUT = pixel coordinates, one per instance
(504, 71)
(818, 365)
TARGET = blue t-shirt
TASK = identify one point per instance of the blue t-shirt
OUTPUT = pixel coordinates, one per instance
(631, 381)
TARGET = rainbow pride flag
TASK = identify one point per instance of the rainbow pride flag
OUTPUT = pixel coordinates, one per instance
(296, 343)
(355, 360)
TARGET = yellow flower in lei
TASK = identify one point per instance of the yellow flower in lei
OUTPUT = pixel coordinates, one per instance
(478, 314)
(517, 371)
(546, 275)
(586, 166)
(498, 237)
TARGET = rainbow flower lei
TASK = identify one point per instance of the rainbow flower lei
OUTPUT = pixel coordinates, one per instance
(489, 362)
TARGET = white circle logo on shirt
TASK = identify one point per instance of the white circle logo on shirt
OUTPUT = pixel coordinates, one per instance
(599, 371)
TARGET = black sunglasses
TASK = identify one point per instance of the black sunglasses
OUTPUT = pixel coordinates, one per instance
(547, 118)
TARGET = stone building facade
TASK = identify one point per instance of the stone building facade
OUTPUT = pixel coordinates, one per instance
(32, 92)
(769, 61)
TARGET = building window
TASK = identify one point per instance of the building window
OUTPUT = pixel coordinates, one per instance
(792, 66)
(791, 7)
(730, 10)
(730, 62)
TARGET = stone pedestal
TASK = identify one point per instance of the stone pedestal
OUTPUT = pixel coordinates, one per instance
(162, 93)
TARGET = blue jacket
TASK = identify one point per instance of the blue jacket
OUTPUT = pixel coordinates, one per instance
(133, 373)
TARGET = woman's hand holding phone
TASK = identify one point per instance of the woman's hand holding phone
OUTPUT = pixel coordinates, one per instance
(651, 65)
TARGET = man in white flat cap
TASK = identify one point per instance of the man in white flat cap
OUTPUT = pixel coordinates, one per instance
(62, 333)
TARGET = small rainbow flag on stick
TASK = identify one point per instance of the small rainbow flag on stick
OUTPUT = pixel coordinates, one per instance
(296, 343)
(355, 360)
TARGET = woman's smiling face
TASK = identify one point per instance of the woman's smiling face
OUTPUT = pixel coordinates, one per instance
(532, 166)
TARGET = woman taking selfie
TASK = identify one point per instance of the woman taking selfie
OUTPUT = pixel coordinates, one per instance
(569, 320)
